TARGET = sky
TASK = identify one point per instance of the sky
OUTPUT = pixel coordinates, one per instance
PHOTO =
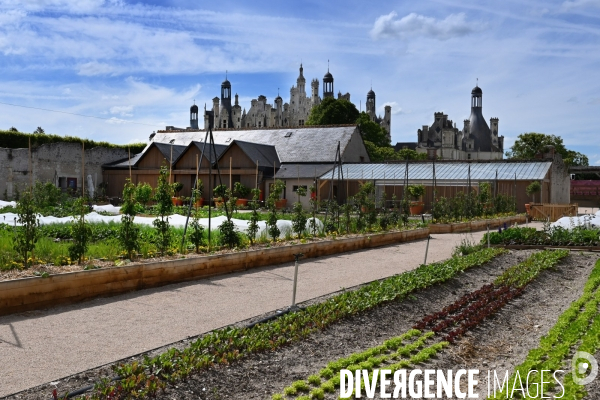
(133, 67)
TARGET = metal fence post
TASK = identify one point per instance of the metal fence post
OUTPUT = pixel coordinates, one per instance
(426, 250)
(296, 257)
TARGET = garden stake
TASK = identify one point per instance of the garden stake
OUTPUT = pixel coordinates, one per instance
(488, 235)
(296, 257)
(426, 250)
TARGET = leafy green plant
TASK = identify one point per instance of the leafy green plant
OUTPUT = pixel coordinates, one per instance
(164, 206)
(229, 236)
(253, 226)
(28, 233)
(276, 191)
(80, 231)
(240, 190)
(314, 204)
(416, 191)
(143, 193)
(129, 233)
(220, 191)
(197, 231)
(533, 188)
(299, 218)
(177, 187)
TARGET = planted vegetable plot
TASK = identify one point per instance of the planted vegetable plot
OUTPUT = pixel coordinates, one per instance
(300, 355)
(444, 327)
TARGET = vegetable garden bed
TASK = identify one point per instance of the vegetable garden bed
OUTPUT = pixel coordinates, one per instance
(34, 293)
(499, 342)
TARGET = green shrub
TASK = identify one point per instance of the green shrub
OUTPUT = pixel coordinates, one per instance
(28, 233)
(80, 231)
(164, 207)
(129, 233)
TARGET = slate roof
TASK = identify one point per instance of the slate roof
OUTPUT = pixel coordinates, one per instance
(124, 162)
(308, 170)
(308, 144)
(165, 149)
(265, 154)
(446, 172)
(219, 149)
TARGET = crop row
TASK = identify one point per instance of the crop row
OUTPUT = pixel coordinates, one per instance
(577, 329)
(393, 355)
(464, 314)
(229, 344)
(472, 309)
(577, 235)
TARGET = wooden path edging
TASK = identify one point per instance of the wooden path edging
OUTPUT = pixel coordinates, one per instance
(37, 293)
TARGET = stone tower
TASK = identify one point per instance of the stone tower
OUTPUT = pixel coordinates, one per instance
(479, 129)
(328, 85)
(314, 92)
(301, 82)
(194, 116)
(225, 117)
(370, 104)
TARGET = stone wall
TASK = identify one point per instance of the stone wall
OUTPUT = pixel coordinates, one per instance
(560, 181)
(59, 163)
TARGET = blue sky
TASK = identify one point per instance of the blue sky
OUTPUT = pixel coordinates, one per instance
(537, 62)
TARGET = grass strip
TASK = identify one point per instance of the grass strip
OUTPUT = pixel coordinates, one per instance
(229, 344)
(580, 323)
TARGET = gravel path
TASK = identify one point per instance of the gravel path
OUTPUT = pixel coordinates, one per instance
(42, 346)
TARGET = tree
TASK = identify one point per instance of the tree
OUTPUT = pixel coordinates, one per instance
(39, 131)
(129, 233)
(28, 233)
(299, 218)
(409, 154)
(529, 144)
(253, 226)
(372, 131)
(164, 207)
(143, 193)
(333, 112)
(80, 231)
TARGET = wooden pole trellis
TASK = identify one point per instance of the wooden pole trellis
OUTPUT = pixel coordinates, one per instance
(208, 138)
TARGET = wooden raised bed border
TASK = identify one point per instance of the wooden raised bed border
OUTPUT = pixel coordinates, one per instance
(475, 226)
(37, 293)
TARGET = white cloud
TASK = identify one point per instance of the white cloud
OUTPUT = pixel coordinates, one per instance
(117, 121)
(577, 4)
(412, 25)
(396, 109)
(123, 111)
(94, 68)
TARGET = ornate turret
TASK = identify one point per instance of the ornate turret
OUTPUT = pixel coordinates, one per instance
(478, 127)
(328, 84)
(194, 116)
(371, 109)
(225, 115)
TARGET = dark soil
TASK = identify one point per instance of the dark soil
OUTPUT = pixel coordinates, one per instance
(522, 323)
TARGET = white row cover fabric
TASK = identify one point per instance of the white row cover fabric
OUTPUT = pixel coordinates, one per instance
(589, 221)
(175, 220)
